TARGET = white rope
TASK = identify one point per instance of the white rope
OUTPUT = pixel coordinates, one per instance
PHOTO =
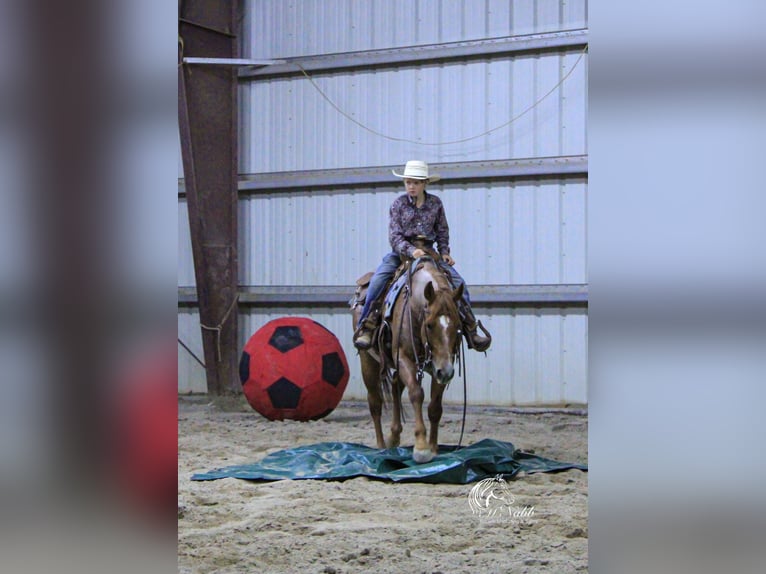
(399, 139)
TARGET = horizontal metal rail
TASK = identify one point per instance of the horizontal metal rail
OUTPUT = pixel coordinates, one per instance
(231, 62)
(559, 166)
(564, 295)
(570, 39)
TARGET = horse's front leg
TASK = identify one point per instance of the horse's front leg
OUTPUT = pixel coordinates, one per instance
(435, 414)
(421, 451)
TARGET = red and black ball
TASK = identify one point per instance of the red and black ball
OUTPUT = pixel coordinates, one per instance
(293, 368)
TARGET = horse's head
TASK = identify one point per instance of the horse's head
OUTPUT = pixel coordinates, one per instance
(440, 331)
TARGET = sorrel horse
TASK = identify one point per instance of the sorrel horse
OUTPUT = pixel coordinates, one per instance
(425, 331)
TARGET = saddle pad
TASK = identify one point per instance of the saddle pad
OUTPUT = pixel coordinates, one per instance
(392, 295)
(337, 460)
(393, 292)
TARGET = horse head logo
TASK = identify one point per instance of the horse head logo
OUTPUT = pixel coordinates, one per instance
(491, 497)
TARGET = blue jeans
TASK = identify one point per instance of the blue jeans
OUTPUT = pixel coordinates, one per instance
(385, 272)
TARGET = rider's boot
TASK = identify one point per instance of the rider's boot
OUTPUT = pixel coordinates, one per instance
(363, 335)
(470, 325)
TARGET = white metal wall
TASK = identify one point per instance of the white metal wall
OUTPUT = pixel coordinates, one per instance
(443, 103)
(283, 29)
(191, 375)
(522, 233)
(525, 232)
(428, 103)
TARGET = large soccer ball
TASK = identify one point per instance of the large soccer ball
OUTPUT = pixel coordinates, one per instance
(293, 368)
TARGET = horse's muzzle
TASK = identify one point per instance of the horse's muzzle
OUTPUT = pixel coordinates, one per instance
(445, 374)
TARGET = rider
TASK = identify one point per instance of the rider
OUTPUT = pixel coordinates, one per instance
(417, 216)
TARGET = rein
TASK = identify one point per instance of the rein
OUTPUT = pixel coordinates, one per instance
(421, 365)
(462, 373)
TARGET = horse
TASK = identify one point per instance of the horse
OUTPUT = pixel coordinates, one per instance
(425, 335)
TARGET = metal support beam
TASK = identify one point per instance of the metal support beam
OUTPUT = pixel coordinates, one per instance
(505, 169)
(231, 62)
(207, 109)
(509, 45)
(562, 166)
(574, 295)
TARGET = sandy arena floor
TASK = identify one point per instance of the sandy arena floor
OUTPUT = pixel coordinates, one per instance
(363, 525)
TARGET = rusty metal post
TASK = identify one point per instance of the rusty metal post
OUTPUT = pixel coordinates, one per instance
(207, 110)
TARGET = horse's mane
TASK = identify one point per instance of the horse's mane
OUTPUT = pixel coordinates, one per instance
(444, 288)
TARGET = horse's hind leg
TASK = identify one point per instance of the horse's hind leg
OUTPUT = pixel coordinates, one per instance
(396, 416)
(435, 414)
(376, 407)
(371, 377)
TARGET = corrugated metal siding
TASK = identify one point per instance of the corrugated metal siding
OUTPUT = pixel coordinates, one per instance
(431, 103)
(191, 375)
(283, 29)
(523, 233)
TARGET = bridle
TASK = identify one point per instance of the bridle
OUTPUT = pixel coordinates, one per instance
(425, 365)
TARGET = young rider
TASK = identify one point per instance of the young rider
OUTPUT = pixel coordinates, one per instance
(417, 217)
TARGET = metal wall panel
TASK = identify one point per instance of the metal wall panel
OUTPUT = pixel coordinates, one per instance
(277, 29)
(191, 375)
(431, 103)
(521, 233)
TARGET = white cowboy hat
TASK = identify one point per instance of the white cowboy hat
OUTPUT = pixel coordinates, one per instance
(416, 169)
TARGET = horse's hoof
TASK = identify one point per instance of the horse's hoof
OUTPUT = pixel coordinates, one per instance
(421, 456)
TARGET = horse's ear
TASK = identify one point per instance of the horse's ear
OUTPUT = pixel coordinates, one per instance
(429, 292)
(457, 294)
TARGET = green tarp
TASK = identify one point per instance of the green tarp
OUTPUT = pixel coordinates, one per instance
(339, 460)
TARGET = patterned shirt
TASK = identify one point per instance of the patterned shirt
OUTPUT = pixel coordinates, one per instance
(408, 221)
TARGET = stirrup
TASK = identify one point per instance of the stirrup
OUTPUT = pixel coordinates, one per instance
(471, 333)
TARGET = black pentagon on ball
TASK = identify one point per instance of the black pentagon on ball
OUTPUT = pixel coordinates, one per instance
(284, 394)
(332, 368)
(244, 367)
(286, 338)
